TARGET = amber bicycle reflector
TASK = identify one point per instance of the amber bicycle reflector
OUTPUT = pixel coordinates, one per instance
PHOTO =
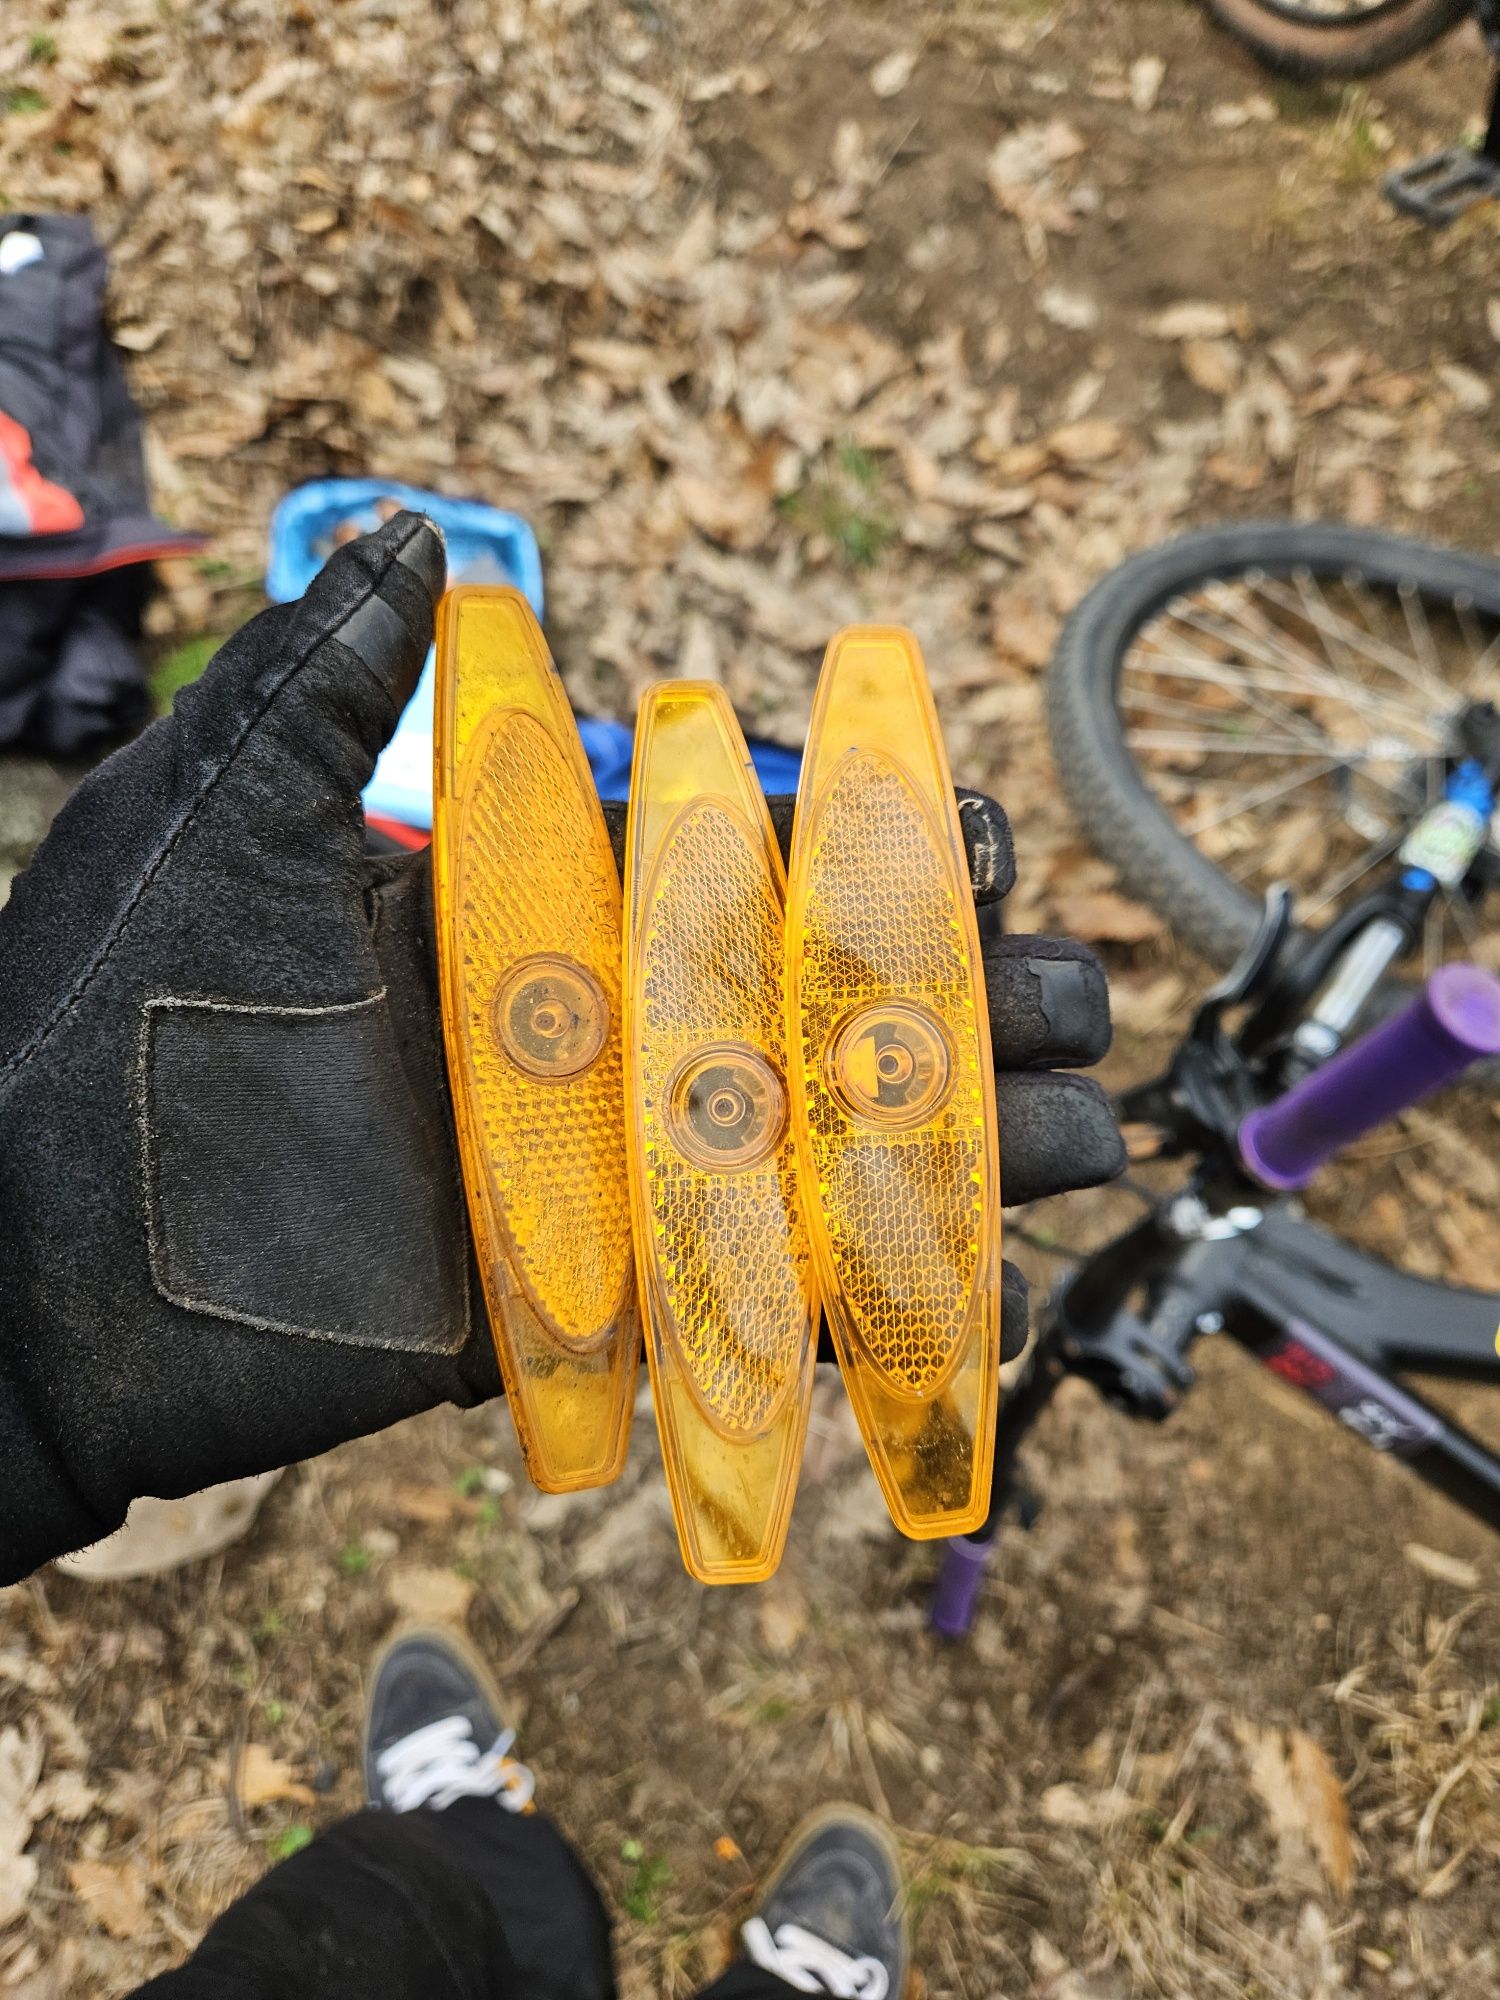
(721, 1239)
(893, 1094)
(528, 929)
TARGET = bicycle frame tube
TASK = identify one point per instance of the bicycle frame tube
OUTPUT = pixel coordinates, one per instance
(1324, 1316)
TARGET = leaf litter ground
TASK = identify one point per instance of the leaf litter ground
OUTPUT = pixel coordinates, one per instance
(770, 324)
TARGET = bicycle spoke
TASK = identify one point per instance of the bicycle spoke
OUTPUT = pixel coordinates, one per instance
(1295, 722)
(1421, 632)
(1487, 663)
(1357, 870)
(1192, 711)
(1257, 644)
(1388, 655)
(1291, 746)
(1367, 639)
(1463, 917)
(1255, 860)
(1252, 801)
(1432, 940)
(1193, 667)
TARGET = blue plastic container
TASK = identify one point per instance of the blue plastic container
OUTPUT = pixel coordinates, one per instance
(484, 544)
(501, 545)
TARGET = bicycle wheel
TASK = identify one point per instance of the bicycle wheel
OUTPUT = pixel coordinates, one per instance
(1336, 38)
(1271, 702)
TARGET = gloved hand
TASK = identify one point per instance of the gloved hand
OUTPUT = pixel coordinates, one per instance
(232, 1231)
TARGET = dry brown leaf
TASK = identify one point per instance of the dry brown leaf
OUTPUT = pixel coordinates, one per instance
(729, 510)
(1364, 503)
(1087, 443)
(1022, 629)
(1303, 1798)
(262, 1777)
(1071, 1805)
(20, 1768)
(1146, 74)
(66, 1795)
(780, 1615)
(113, 1894)
(1022, 461)
(1074, 310)
(139, 337)
(1191, 319)
(1325, 1809)
(433, 1505)
(428, 1594)
(826, 217)
(1468, 388)
(1214, 365)
(1392, 391)
(1022, 175)
(1336, 375)
(1242, 474)
(893, 73)
(1103, 915)
(1257, 110)
(1440, 1567)
(1144, 1005)
(1492, 317)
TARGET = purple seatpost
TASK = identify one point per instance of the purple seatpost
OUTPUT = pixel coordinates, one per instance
(960, 1580)
(1453, 1023)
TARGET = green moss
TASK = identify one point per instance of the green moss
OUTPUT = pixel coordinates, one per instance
(180, 668)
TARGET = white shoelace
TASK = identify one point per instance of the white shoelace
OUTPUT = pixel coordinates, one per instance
(812, 1964)
(441, 1762)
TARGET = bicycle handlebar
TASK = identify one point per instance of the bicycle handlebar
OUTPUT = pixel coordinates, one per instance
(955, 1598)
(1450, 1025)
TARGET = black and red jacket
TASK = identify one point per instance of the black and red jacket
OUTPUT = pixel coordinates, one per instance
(77, 534)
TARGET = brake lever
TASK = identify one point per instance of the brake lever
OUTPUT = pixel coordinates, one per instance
(1199, 1100)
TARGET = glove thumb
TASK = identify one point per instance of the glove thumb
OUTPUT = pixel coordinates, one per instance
(319, 685)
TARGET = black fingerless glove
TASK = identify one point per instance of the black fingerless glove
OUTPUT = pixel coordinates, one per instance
(232, 1232)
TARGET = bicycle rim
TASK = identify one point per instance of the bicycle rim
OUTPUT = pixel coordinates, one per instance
(1296, 726)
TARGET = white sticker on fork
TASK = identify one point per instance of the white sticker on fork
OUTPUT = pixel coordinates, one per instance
(1445, 841)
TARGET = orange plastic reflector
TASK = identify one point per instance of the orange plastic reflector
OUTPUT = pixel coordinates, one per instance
(893, 1094)
(721, 1239)
(528, 929)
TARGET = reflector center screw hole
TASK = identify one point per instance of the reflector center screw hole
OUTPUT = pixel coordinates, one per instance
(890, 1064)
(550, 1017)
(725, 1107)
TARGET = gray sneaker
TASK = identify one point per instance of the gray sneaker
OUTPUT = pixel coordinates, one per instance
(434, 1730)
(830, 1919)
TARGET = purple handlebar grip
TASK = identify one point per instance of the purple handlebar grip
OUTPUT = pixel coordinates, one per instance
(1447, 1027)
(960, 1580)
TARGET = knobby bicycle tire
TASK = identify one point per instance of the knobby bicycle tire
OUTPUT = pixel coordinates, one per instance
(1156, 862)
(1296, 42)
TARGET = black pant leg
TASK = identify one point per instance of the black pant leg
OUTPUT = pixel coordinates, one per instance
(745, 1980)
(473, 1903)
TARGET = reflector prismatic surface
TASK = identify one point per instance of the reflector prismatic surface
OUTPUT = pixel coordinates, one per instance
(721, 1235)
(893, 1099)
(528, 928)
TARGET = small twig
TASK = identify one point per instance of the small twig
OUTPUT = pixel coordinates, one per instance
(521, 1654)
